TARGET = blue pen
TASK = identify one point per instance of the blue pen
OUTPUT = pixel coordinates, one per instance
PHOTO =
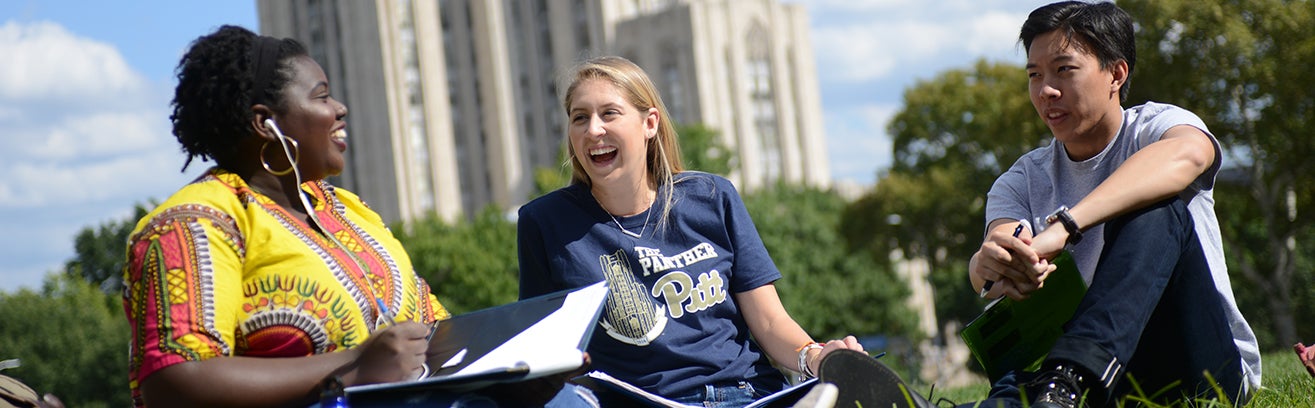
(986, 287)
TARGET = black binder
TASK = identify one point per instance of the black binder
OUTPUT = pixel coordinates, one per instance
(531, 338)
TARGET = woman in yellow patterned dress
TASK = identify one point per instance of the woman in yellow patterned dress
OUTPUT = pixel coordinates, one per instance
(257, 281)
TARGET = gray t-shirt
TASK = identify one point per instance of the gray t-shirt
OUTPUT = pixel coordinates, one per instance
(1046, 178)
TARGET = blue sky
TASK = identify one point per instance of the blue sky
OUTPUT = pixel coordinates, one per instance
(85, 89)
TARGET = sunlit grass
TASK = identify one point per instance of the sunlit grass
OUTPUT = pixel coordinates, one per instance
(1285, 385)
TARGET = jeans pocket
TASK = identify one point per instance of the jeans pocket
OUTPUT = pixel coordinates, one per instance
(750, 391)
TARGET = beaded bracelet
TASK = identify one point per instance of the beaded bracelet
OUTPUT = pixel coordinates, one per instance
(803, 358)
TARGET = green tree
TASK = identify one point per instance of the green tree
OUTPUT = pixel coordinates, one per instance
(72, 340)
(99, 252)
(955, 134)
(470, 265)
(547, 179)
(1240, 66)
(71, 335)
(701, 149)
(830, 290)
(1241, 221)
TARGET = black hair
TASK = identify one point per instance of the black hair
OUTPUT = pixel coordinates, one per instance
(212, 102)
(1102, 29)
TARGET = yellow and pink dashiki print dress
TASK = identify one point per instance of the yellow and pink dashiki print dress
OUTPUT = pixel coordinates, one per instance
(220, 270)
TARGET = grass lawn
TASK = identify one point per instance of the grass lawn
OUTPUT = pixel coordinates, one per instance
(1286, 385)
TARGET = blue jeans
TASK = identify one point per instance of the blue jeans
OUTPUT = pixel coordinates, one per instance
(570, 396)
(722, 396)
(573, 396)
(1152, 315)
(729, 394)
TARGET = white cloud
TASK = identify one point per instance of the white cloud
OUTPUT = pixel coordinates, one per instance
(878, 116)
(853, 6)
(857, 141)
(123, 177)
(865, 41)
(94, 134)
(85, 139)
(80, 124)
(46, 61)
(995, 34)
(867, 52)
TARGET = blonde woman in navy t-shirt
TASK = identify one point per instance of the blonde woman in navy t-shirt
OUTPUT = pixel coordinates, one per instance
(690, 281)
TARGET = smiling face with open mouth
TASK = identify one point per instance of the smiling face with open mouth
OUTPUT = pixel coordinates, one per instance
(315, 119)
(609, 135)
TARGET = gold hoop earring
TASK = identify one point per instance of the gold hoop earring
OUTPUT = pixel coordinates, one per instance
(292, 166)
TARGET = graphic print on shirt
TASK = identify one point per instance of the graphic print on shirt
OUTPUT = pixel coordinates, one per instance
(636, 314)
(632, 317)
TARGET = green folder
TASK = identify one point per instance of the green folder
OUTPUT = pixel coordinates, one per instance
(1012, 335)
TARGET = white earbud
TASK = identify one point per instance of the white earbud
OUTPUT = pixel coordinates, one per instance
(269, 124)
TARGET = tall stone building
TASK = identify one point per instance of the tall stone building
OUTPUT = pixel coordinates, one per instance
(454, 103)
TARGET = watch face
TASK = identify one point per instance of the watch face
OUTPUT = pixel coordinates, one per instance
(1066, 221)
(1054, 216)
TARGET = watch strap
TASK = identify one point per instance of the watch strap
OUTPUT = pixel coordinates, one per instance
(1064, 218)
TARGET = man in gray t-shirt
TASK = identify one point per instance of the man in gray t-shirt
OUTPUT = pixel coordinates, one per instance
(1130, 194)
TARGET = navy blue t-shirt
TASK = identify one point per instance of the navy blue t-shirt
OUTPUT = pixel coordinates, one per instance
(670, 324)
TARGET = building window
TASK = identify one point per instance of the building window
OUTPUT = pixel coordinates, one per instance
(422, 184)
(581, 24)
(675, 88)
(762, 99)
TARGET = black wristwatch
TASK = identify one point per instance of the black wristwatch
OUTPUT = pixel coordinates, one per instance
(1063, 217)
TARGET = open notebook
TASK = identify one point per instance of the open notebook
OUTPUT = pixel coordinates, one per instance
(518, 341)
(1017, 335)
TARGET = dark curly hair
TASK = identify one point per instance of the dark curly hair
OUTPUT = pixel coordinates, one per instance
(212, 103)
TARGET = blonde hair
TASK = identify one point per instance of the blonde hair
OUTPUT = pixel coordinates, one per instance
(663, 151)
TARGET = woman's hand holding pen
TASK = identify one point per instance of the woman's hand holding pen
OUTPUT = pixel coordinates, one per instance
(393, 354)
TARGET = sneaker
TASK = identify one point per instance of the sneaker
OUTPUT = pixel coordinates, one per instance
(1059, 387)
(863, 382)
